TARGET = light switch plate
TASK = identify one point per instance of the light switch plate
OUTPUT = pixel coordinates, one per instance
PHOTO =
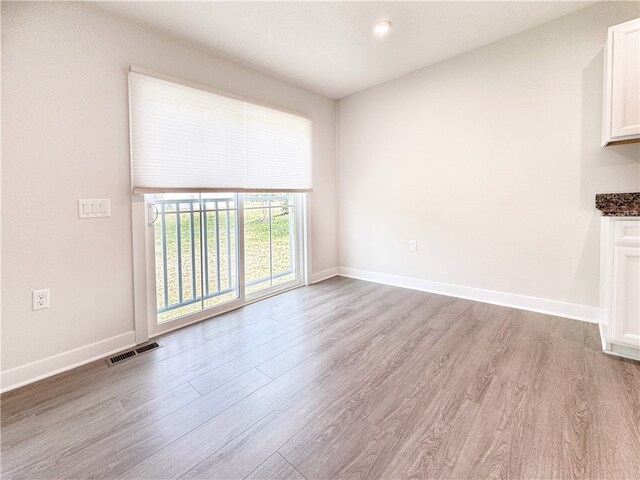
(94, 207)
(413, 246)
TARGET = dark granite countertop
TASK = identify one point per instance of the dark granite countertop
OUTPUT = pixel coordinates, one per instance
(618, 204)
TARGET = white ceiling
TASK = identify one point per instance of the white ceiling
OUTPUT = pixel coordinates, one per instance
(329, 47)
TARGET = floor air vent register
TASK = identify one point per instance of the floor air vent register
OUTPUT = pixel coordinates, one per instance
(121, 357)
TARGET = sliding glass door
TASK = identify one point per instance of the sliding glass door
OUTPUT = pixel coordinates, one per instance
(216, 251)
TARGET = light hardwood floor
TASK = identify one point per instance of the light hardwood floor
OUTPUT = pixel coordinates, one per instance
(343, 379)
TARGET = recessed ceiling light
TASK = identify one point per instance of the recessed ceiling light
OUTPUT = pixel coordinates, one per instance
(382, 27)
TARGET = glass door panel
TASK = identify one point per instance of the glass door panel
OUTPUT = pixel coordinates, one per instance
(220, 256)
(283, 240)
(269, 240)
(256, 243)
(194, 231)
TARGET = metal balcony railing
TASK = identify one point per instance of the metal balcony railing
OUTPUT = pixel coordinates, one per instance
(196, 248)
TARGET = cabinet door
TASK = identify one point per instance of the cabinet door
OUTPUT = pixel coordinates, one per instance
(625, 101)
(626, 296)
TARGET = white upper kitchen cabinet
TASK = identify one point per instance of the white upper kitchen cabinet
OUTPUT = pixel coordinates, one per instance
(621, 121)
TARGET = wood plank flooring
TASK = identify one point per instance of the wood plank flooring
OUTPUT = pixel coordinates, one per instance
(343, 379)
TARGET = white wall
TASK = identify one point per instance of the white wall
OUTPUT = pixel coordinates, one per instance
(64, 137)
(491, 160)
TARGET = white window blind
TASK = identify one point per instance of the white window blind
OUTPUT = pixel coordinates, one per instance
(190, 139)
(278, 150)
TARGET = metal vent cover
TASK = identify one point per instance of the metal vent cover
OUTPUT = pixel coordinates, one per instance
(121, 357)
(146, 348)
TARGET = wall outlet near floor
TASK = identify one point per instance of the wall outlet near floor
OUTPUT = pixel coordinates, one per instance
(413, 245)
(40, 299)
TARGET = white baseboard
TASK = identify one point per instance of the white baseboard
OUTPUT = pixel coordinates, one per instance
(32, 372)
(623, 351)
(603, 335)
(574, 311)
(324, 274)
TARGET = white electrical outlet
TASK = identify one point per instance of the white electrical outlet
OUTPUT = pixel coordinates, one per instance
(40, 299)
(413, 245)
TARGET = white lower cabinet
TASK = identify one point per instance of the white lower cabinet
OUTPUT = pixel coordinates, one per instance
(625, 315)
(620, 286)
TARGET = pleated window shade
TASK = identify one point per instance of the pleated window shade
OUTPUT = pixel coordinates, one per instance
(189, 139)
